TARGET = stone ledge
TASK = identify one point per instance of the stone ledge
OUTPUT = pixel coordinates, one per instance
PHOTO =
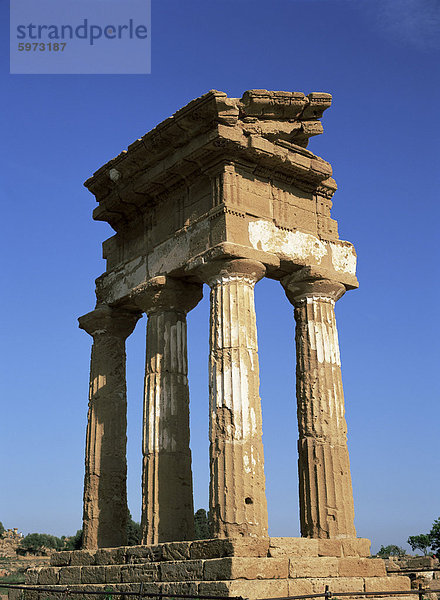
(303, 566)
(274, 547)
(363, 567)
(338, 584)
(286, 546)
(168, 551)
(219, 548)
(252, 589)
(348, 547)
(215, 569)
(245, 568)
(182, 570)
(247, 589)
(387, 584)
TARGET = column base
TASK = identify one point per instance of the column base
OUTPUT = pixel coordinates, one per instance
(251, 568)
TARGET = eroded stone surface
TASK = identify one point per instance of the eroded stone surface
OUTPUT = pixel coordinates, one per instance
(105, 486)
(326, 496)
(250, 577)
(167, 498)
(237, 491)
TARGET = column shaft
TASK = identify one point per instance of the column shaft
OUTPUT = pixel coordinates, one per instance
(237, 488)
(168, 511)
(105, 489)
(167, 493)
(326, 496)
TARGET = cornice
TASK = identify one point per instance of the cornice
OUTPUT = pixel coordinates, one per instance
(267, 129)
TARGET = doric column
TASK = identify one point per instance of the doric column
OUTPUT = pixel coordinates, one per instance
(167, 493)
(105, 481)
(325, 491)
(237, 489)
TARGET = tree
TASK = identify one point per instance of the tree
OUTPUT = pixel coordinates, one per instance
(133, 532)
(74, 542)
(434, 534)
(201, 527)
(2, 529)
(38, 543)
(391, 550)
(78, 539)
(420, 542)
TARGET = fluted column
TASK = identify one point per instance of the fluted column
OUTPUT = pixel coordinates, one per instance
(237, 488)
(325, 490)
(167, 492)
(105, 481)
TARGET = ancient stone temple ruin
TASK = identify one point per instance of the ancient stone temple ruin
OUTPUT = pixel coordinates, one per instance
(225, 192)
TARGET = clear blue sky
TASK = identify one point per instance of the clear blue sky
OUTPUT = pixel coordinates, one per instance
(379, 59)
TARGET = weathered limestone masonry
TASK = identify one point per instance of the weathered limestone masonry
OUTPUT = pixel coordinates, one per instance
(326, 496)
(224, 192)
(105, 482)
(248, 567)
(237, 491)
(167, 510)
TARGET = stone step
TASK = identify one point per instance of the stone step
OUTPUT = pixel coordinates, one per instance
(228, 568)
(168, 551)
(215, 548)
(252, 589)
(349, 547)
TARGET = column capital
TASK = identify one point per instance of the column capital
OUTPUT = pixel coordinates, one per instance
(167, 293)
(222, 271)
(308, 283)
(117, 322)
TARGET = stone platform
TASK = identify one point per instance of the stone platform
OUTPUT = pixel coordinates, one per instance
(251, 568)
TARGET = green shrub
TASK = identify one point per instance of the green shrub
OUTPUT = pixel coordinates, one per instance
(36, 543)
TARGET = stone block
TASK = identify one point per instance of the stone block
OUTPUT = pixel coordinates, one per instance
(140, 573)
(110, 556)
(61, 595)
(61, 559)
(147, 588)
(275, 588)
(16, 594)
(181, 570)
(136, 554)
(27, 595)
(300, 587)
(49, 575)
(176, 551)
(218, 548)
(32, 575)
(189, 588)
(362, 567)
(93, 574)
(156, 552)
(329, 548)
(287, 546)
(323, 566)
(208, 549)
(420, 562)
(113, 573)
(338, 584)
(249, 547)
(387, 584)
(88, 588)
(245, 568)
(70, 575)
(355, 547)
(82, 557)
